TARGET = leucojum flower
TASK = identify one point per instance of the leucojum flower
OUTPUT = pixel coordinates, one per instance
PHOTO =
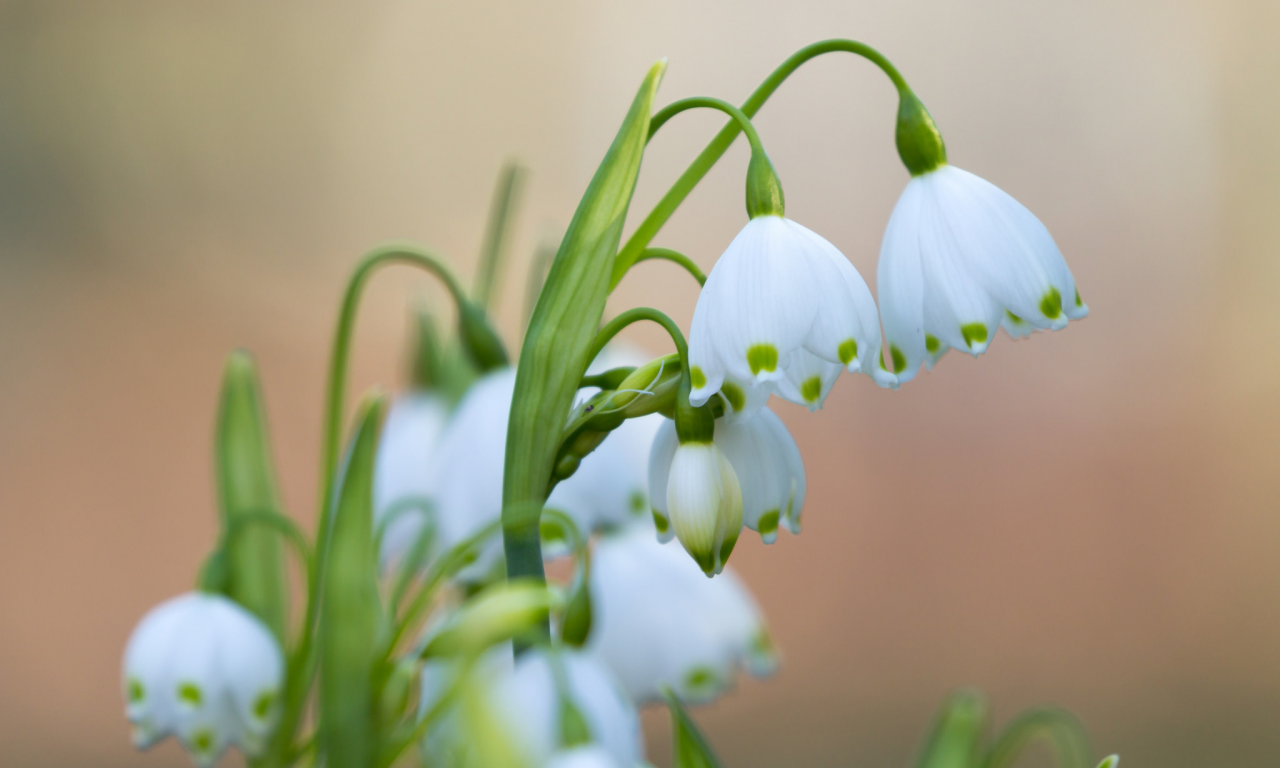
(428, 620)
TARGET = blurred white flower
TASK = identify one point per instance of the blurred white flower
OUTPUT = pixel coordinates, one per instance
(590, 756)
(765, 461)
(659, 622)
(961, 257)
(402, 493)
(782, 297)
(205, 669)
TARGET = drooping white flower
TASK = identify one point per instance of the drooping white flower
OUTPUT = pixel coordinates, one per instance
(402, 492)
(765, 460)
(961, 257)
(203, 668)
(780, 289)
(530, 702)
(589, 756)
(659, 622)
(703, 501)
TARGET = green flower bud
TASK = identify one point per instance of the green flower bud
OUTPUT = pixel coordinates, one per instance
(481, 342)
(500, 612)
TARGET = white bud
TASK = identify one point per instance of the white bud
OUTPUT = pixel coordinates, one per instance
(704, 501)
(203, 668)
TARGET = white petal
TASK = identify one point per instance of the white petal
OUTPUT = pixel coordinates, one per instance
(149, 707)
(611, 483)
(253, 664)
(808, 380)
(767, 462)
(786, 448)
(661, 454)
(706, 370)
(900, 283)
(402, 470)
(836, 323)
(583, 757)
(743, 399)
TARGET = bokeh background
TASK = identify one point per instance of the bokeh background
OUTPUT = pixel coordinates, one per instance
(1087, 518)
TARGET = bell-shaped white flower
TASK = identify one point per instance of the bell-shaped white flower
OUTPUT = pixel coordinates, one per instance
(203, 668)
(780, 288)
(765, 460)
(531, 702)
(588, 756)
(960, 258)
(659, 622)
(704, 502)
(402, 491)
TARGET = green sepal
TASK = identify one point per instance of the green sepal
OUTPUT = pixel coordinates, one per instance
(483, 346)
(919, 143)
(562, 329)
(958, 731)
(255, 574)
(764, 191)
(350, 613)
(690, 749)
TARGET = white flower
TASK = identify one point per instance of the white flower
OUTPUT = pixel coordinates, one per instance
(765, 460)
(530, 703)
(589, 756)
(780, 290)
(203, 668)
(961, 257)
(659, 622)
(703, 500)
(402, 493)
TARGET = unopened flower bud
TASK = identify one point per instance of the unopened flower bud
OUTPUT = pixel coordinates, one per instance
(501, 612)
(203, 668)
(704, 501)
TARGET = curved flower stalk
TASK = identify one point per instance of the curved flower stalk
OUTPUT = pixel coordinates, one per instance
(961, 257)
(402, 487)
(763, 458)
(660, 622)
(206, 670)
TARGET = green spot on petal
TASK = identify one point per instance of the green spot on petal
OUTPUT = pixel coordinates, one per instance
(1079, 303)
(811, 388)
(637, 502)
(726, 549)
(768, 522)
(190, 693)
(697, 378)
(733, 393)
(762, 357)
(136, 691)
(848, 351)
(551, 532)
(1051, 304)
(762, 643)
(202, 742)
(931, 343)
(1014, 318)
(660, 522)
(700, 677)
(262, 704)
(899, 359)
(973, 333)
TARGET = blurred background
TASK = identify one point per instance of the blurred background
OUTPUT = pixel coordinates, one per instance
(1087, 518)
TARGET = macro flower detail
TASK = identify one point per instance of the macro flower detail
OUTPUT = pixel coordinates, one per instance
(778, 290)
(206, 670)
(402, 491)
(703, 501)
(765, 461)
(660, 622)
(960, 258)
(583, 757)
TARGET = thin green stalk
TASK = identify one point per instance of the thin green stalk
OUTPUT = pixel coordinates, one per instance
(648, 229)
(280, 524)
(661, 117)
(496, 234)
(675, 257)
(615, 326)
(1061, 729)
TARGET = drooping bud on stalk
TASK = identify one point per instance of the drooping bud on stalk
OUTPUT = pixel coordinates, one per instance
(919, 143)
(481, 342)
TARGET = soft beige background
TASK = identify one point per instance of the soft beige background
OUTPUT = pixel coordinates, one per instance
(1087, 518)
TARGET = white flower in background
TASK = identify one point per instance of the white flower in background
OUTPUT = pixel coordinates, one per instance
(402, 495)
(203, 668)
(961, 257)
(659, 622)
(765, 460)
(703, 501)
(589, 756)
(530, 703)
(778, 290)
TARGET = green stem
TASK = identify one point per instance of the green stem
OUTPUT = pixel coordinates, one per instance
(675, 257)
(278, 523)
(615, 326)
(648, 229)
(494, 251)
(661, 117)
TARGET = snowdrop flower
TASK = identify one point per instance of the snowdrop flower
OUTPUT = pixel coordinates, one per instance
(589, 756)
(531, 703)
(203, 668)
(702, 495)
(960, 258)
(660, 622)
(763, 457)
(783, 307)
(402, 493)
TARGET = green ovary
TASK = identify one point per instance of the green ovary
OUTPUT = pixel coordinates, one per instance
(811, 388)
(848, 350)
(1051, 304)
(973, 333)
(762, 357)
(931, 343)
(733, 393)
(697, 378)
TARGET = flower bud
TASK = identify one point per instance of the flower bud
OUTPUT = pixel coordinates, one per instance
(704, 501)
(203, 668)
(503, 611)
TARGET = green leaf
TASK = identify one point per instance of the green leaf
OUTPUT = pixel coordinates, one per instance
(349, 609)
(246, 482)
(690, 748)
(1059, 728)
(956, 738)
(563, 326)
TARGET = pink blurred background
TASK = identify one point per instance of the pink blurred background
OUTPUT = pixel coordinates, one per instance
(1087, 518)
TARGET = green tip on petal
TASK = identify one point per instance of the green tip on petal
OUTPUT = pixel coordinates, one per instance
(811, 389)
(262, 705)
(762, 357)
(1051, 304)
(136, 691)
(637, 502)
(202, 741)
(931, 343)
(1080, 303)
(700, 678)
(734, 394)
(974, 333)
(899, 359)
(768, 522)
(697, 378)
(190, 693)
(1014, 318)
(848, 351)
(660, 522)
